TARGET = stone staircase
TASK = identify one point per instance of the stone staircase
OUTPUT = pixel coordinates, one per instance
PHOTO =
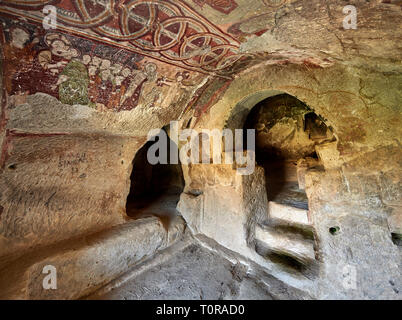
(287, 232)
(287, 235)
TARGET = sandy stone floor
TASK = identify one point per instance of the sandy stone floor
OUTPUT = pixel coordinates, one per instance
(196, 273)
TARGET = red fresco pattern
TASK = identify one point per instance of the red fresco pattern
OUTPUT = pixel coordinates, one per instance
(169, 31)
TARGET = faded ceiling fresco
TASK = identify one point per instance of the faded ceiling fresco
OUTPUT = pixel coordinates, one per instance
(168, 31)
(115, 54)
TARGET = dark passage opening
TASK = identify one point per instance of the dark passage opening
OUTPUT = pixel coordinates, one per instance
(155, 189)
(287, 131)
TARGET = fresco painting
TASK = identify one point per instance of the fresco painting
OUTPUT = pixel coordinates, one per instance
(103, 78)
(133, 52)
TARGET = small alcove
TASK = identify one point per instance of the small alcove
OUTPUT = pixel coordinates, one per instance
(155, 189)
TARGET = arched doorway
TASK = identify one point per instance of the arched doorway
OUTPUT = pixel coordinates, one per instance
(287, 132)
(155, 189)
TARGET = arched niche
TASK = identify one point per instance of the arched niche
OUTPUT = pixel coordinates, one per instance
(155, 188)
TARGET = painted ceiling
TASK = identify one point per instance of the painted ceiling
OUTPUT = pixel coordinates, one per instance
(117, 54)
(175, 32)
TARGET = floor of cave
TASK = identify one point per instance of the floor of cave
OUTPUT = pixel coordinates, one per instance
(188, 270)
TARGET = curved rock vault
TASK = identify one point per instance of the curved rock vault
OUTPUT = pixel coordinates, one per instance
(318, 217)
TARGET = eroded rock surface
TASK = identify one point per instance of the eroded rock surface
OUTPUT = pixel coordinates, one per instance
(77, 104)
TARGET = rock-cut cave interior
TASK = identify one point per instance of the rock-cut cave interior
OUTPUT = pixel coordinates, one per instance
(200, 150)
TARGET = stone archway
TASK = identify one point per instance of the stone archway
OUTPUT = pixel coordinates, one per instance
(288, 137)
(287, 134)
(155, 189)
(275, 235)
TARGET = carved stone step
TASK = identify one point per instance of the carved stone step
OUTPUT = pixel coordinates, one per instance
(288, 243)
(288, 214)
